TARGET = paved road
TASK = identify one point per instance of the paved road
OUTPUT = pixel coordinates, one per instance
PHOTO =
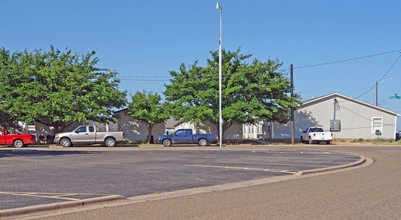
(372, 192)
(33, 177)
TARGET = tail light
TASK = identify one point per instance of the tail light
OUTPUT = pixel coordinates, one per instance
(314, 134)
(217, 137)
(332, 134)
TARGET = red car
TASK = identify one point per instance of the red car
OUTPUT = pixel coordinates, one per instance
(17, 140)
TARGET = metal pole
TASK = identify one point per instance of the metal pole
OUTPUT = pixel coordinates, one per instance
(335, 106)
(220, 78)
(292, 109)
(377, 86)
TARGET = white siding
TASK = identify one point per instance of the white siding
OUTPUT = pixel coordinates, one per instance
(253, 131)
(356, 119)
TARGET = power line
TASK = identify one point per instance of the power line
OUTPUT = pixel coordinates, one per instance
(346, 60)
(146, 78)
(141, 79)
(391, 67)
(143, 76)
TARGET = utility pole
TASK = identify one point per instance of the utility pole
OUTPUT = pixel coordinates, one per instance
(292, 109)
(335, 108)
(377, 89)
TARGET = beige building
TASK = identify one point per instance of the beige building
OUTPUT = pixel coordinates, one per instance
(137, 131)
(358, 119)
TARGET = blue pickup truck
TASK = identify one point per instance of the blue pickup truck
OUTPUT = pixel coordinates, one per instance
(185, 136)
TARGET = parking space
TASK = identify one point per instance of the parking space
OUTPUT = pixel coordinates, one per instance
(35, 177)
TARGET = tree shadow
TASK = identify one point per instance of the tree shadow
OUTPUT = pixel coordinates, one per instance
(35, 153)
(303, 120)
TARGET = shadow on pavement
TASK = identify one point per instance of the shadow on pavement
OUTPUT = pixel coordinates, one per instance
(33, 153)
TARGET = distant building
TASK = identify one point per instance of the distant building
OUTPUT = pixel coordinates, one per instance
(358, 119)
(137, 131)
(253, 131)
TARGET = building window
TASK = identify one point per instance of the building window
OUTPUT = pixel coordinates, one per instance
(377, 125)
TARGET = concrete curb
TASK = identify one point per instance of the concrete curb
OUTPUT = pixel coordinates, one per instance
(59, 205)
(328, 169)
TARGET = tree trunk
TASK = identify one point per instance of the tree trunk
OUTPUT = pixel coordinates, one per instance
(218, 130)
(150, 133)
(225, 126)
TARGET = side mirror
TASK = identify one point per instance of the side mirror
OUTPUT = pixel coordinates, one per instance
(167, 132)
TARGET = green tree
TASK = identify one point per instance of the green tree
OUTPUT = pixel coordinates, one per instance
(250, 91)
(57, 87)
(8, 119)
(147, 108)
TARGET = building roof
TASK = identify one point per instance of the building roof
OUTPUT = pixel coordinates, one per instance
(334, 95)
(171, 124)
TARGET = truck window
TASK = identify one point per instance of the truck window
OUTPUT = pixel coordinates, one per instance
(81, 129)
(180, 133)
(91, 129)
(316, 130)
(1, 132)
(189, 132)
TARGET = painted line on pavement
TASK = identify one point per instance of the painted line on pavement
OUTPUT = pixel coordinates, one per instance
(45, 195)
(244, 168)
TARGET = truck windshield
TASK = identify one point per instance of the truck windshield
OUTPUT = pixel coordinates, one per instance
(316, 130)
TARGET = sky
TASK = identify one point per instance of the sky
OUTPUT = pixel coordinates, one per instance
(144, 40)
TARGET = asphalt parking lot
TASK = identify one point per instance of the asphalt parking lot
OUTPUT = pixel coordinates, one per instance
(32, 177)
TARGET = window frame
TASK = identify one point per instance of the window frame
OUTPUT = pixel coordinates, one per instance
(374, 128)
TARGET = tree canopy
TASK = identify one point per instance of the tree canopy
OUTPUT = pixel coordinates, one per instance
(146, 107)
(250, 91)
(57, 87)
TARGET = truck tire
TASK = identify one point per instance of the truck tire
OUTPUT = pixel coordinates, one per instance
(302, 140)
(327, 142)
(202, 142)
(110, 142)
(166, 143)
(65, 142)
(18, 143)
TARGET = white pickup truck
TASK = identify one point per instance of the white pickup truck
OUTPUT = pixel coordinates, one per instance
(88, 134)
(316, 134)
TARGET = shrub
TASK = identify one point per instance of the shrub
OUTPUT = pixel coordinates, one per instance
(360, 140)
